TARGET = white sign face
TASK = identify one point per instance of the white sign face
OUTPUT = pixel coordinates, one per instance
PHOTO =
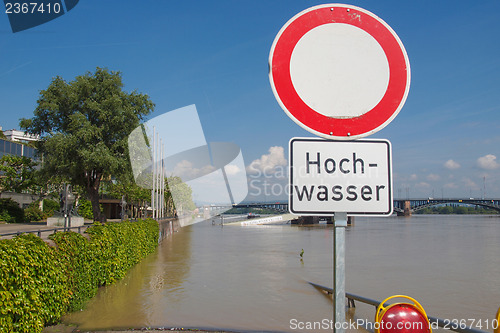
(340, 176)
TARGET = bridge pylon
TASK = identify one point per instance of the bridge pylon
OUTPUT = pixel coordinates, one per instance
(407, 208)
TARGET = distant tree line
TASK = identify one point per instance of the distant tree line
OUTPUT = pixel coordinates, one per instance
(456, 209)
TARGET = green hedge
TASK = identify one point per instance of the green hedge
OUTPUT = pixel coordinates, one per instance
(39, 283)
(33, 285)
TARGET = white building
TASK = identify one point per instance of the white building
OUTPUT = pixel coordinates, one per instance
(19, 136)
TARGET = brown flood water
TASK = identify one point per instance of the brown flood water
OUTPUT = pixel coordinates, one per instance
(252, 278)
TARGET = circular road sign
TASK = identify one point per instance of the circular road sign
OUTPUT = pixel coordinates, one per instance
(339, 71)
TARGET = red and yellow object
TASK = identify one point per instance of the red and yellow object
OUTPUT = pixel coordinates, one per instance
(497, 329)
(402, 317)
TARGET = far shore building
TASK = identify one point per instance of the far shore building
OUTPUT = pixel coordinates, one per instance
(20, 136)
(16, 144)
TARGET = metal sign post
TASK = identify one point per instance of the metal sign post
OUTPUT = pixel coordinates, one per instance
(339, 271)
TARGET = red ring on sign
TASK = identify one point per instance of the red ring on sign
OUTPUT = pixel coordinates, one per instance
(388, 106)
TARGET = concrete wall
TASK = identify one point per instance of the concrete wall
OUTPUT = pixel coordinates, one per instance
(167, 228)
(22, 199)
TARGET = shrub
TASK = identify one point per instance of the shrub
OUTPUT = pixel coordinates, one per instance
(50, 206)
(85, 209)
(33, 213)
(10, 211)
(38, 283)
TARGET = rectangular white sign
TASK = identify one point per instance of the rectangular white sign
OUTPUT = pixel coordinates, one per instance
(340, 176)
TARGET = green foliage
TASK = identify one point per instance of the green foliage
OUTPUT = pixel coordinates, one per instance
(121, 245)
(84, 125)
(85, 209)
(39, 283)
(33, 214)
(10, 211)
(50, 206)
(182, 193)
(33, 285)
(112, 250)
(456, 209)
(18, 173)
(130, 189)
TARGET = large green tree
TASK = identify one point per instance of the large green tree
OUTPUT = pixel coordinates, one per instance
(84, 125)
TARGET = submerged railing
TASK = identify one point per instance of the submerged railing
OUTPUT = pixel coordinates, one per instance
(446, 324)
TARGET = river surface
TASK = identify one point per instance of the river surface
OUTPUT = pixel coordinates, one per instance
(252, 278)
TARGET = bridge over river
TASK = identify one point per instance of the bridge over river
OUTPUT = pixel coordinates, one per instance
(403, 207)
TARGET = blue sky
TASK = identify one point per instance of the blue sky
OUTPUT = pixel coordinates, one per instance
(446, 139)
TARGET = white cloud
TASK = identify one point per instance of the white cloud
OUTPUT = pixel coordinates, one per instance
(470, 184)
(185, 170)
(433, 177)
(413, 177)
(423, 185)
(450, 185)
(268, 162)
(451, 165)
(488, 162)
(232, 169)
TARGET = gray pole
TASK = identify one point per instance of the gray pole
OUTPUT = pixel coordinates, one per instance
(65, 206)
(70, 201)
(339, 271)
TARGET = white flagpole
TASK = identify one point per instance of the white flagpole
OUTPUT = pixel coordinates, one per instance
(161, 179)
(153, 157)
(163, 186)
(157, 175)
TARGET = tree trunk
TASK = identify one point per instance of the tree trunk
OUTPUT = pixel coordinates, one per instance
(93, 182)
(94, 199)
